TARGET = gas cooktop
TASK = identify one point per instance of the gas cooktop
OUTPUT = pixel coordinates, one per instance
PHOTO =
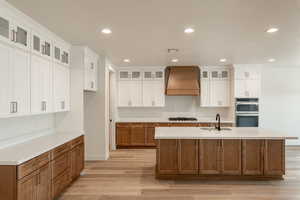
(182, 119)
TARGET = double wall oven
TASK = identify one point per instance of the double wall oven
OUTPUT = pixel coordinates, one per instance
(247, 112)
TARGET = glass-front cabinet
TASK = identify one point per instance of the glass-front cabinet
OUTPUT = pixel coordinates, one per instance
(41, 45)
(4, 28)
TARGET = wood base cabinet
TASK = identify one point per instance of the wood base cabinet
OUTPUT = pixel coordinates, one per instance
(141, 135)
(221, 159)
(44, 177)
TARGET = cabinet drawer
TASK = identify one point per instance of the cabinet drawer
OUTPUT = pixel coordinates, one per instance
(60, 164)
(77, 141)
(33, 164)
(60, 150)
(60, 183)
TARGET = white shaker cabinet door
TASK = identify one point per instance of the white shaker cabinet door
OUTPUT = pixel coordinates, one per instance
(5, 86)
(148, 93)
(253, 88)
(205, 93)
(124, 93)
(220, 93)
(159, 94)
(41, 85)
(136, 93)
(20, 76)
(61, 88)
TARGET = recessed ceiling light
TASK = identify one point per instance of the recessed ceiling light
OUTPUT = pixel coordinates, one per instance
(272, 60)
(106, 31)
(174, 60)
(126, 60)
(189, 30)
(272, 30)
(223, 60)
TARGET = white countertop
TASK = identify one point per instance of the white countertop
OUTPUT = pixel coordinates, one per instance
(235, 133)
(166, 120)
(20, 153)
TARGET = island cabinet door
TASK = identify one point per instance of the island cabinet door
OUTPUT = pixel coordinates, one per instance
(188, 156)
(274, 157)
(27, 187)
(209, 156)
(123, 135)
(167, 157)
(253, 157)
(231, 154)
(138, 136)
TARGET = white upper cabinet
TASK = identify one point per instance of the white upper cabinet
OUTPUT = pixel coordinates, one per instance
(41, 45)
(61, 54)
(5, 27)
(86, 60)
(91, 69)
(153, 74)
(41, 85)
(153, 93)
(14, 32)
(141, 88)
(247, 73)
(61, 88)
(130, 94)
(215, 87)
(15, 81)
(5, 83)
(26, 66)
(247, 81)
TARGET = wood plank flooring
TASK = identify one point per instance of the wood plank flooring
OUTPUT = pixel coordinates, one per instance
(129, 175)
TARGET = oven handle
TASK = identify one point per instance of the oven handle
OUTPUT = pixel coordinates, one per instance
(247, 115)
(246, 103)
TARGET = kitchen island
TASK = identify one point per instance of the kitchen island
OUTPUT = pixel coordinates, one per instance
(232, 153)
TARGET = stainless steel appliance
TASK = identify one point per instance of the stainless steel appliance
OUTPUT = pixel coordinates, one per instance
(247, 112)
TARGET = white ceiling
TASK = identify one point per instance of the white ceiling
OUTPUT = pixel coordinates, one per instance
(143, 30)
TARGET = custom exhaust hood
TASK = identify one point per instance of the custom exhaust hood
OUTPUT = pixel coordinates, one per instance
(183, 81)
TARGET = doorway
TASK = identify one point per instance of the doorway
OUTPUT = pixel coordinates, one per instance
(112, 108)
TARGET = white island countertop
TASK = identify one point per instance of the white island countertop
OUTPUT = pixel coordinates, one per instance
(20, 153)
(202, 133)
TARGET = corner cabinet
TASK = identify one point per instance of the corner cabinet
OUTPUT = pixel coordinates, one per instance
(141, 88)
(215, 87)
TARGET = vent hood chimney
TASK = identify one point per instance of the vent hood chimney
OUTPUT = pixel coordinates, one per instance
(183, 81)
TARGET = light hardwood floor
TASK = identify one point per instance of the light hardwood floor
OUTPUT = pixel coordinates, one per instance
(129, 175)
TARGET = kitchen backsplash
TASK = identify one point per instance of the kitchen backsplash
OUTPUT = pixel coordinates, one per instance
(177, 106)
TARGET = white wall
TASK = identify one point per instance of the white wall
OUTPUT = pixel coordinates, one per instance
(22, 128)
(280, 100)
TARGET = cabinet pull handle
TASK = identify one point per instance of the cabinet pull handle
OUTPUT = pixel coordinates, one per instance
(12, 35)
(16, 108)
(12, 109)
(15, 36)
